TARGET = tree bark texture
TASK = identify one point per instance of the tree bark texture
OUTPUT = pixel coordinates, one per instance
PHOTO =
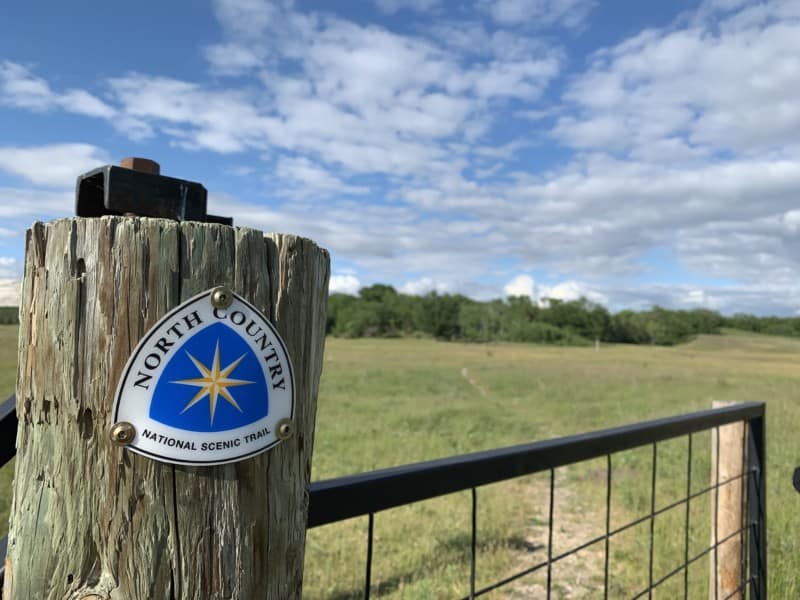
(91, 520)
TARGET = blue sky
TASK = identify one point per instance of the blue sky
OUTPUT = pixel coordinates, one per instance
(630, 152)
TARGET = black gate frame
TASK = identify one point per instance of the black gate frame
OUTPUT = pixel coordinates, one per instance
(365, 494)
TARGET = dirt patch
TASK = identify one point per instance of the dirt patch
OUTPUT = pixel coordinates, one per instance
(465, 374)
(576, 520)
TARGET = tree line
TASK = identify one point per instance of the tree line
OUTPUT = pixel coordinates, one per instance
(9, 315)
(380, 311)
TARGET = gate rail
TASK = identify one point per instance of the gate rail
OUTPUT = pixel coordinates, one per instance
(365, 494)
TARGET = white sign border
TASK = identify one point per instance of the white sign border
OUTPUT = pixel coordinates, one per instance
(270, 418)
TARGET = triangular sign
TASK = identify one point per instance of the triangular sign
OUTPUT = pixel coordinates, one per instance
(210, 383)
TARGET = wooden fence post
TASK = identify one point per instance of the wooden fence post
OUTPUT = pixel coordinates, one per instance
(93, 520)
(727, 509)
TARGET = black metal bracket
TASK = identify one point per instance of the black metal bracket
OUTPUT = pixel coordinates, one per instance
(796, 479)
(112, 190)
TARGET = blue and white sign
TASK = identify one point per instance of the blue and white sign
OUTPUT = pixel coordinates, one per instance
(207, 385)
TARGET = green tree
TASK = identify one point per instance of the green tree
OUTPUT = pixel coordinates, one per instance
(440, 315)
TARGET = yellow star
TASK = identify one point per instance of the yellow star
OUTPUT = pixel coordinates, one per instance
(213, 383)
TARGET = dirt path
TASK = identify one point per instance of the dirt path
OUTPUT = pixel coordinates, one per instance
(465, 374)
(576, 520)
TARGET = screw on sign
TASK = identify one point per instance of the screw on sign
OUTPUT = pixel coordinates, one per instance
(221, 297)
(285, 429)
(122, 433)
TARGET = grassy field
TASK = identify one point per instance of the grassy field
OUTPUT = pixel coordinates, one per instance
(390, 402)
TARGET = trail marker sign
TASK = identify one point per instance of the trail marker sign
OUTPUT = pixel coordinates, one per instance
(210, 383)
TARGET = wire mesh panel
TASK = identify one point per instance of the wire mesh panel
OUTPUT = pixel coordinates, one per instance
(650, 480)
(660, 523)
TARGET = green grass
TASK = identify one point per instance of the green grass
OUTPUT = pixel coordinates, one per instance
(390, 402)
(8, 360)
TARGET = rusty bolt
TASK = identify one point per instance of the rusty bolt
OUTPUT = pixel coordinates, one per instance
(143, 165)
(285, 429)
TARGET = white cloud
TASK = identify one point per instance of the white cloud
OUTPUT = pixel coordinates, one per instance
(363, 97)
(305, 178)
(690, 139)
(9, 292)
(390, 7)
(762, 298)
(572, 290)
(541, 13)
(586, 221)
(424, 285)
(232, 58)
(359, 96)
(224, 121)
(521, 285)
(8, 267)
(758, 298)
(791, 220)
(55, 165)
(20, 88)
(84, 103)
(344, 284)
(711, 86)
(240, 171)
(701, 298)
(249, 18)
(29, 203)
(525, 285)
(18, 208)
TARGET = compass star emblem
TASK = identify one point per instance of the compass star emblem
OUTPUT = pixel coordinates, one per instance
(214, 383)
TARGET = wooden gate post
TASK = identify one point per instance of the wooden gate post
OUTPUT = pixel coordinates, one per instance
(93, 520)
(725, 565)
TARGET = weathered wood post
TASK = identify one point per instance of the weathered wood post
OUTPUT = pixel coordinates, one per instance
(94, 520)
(727, 508)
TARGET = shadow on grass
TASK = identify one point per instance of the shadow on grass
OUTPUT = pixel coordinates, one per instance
(387, 586)
(455, 549)
(520, 544)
